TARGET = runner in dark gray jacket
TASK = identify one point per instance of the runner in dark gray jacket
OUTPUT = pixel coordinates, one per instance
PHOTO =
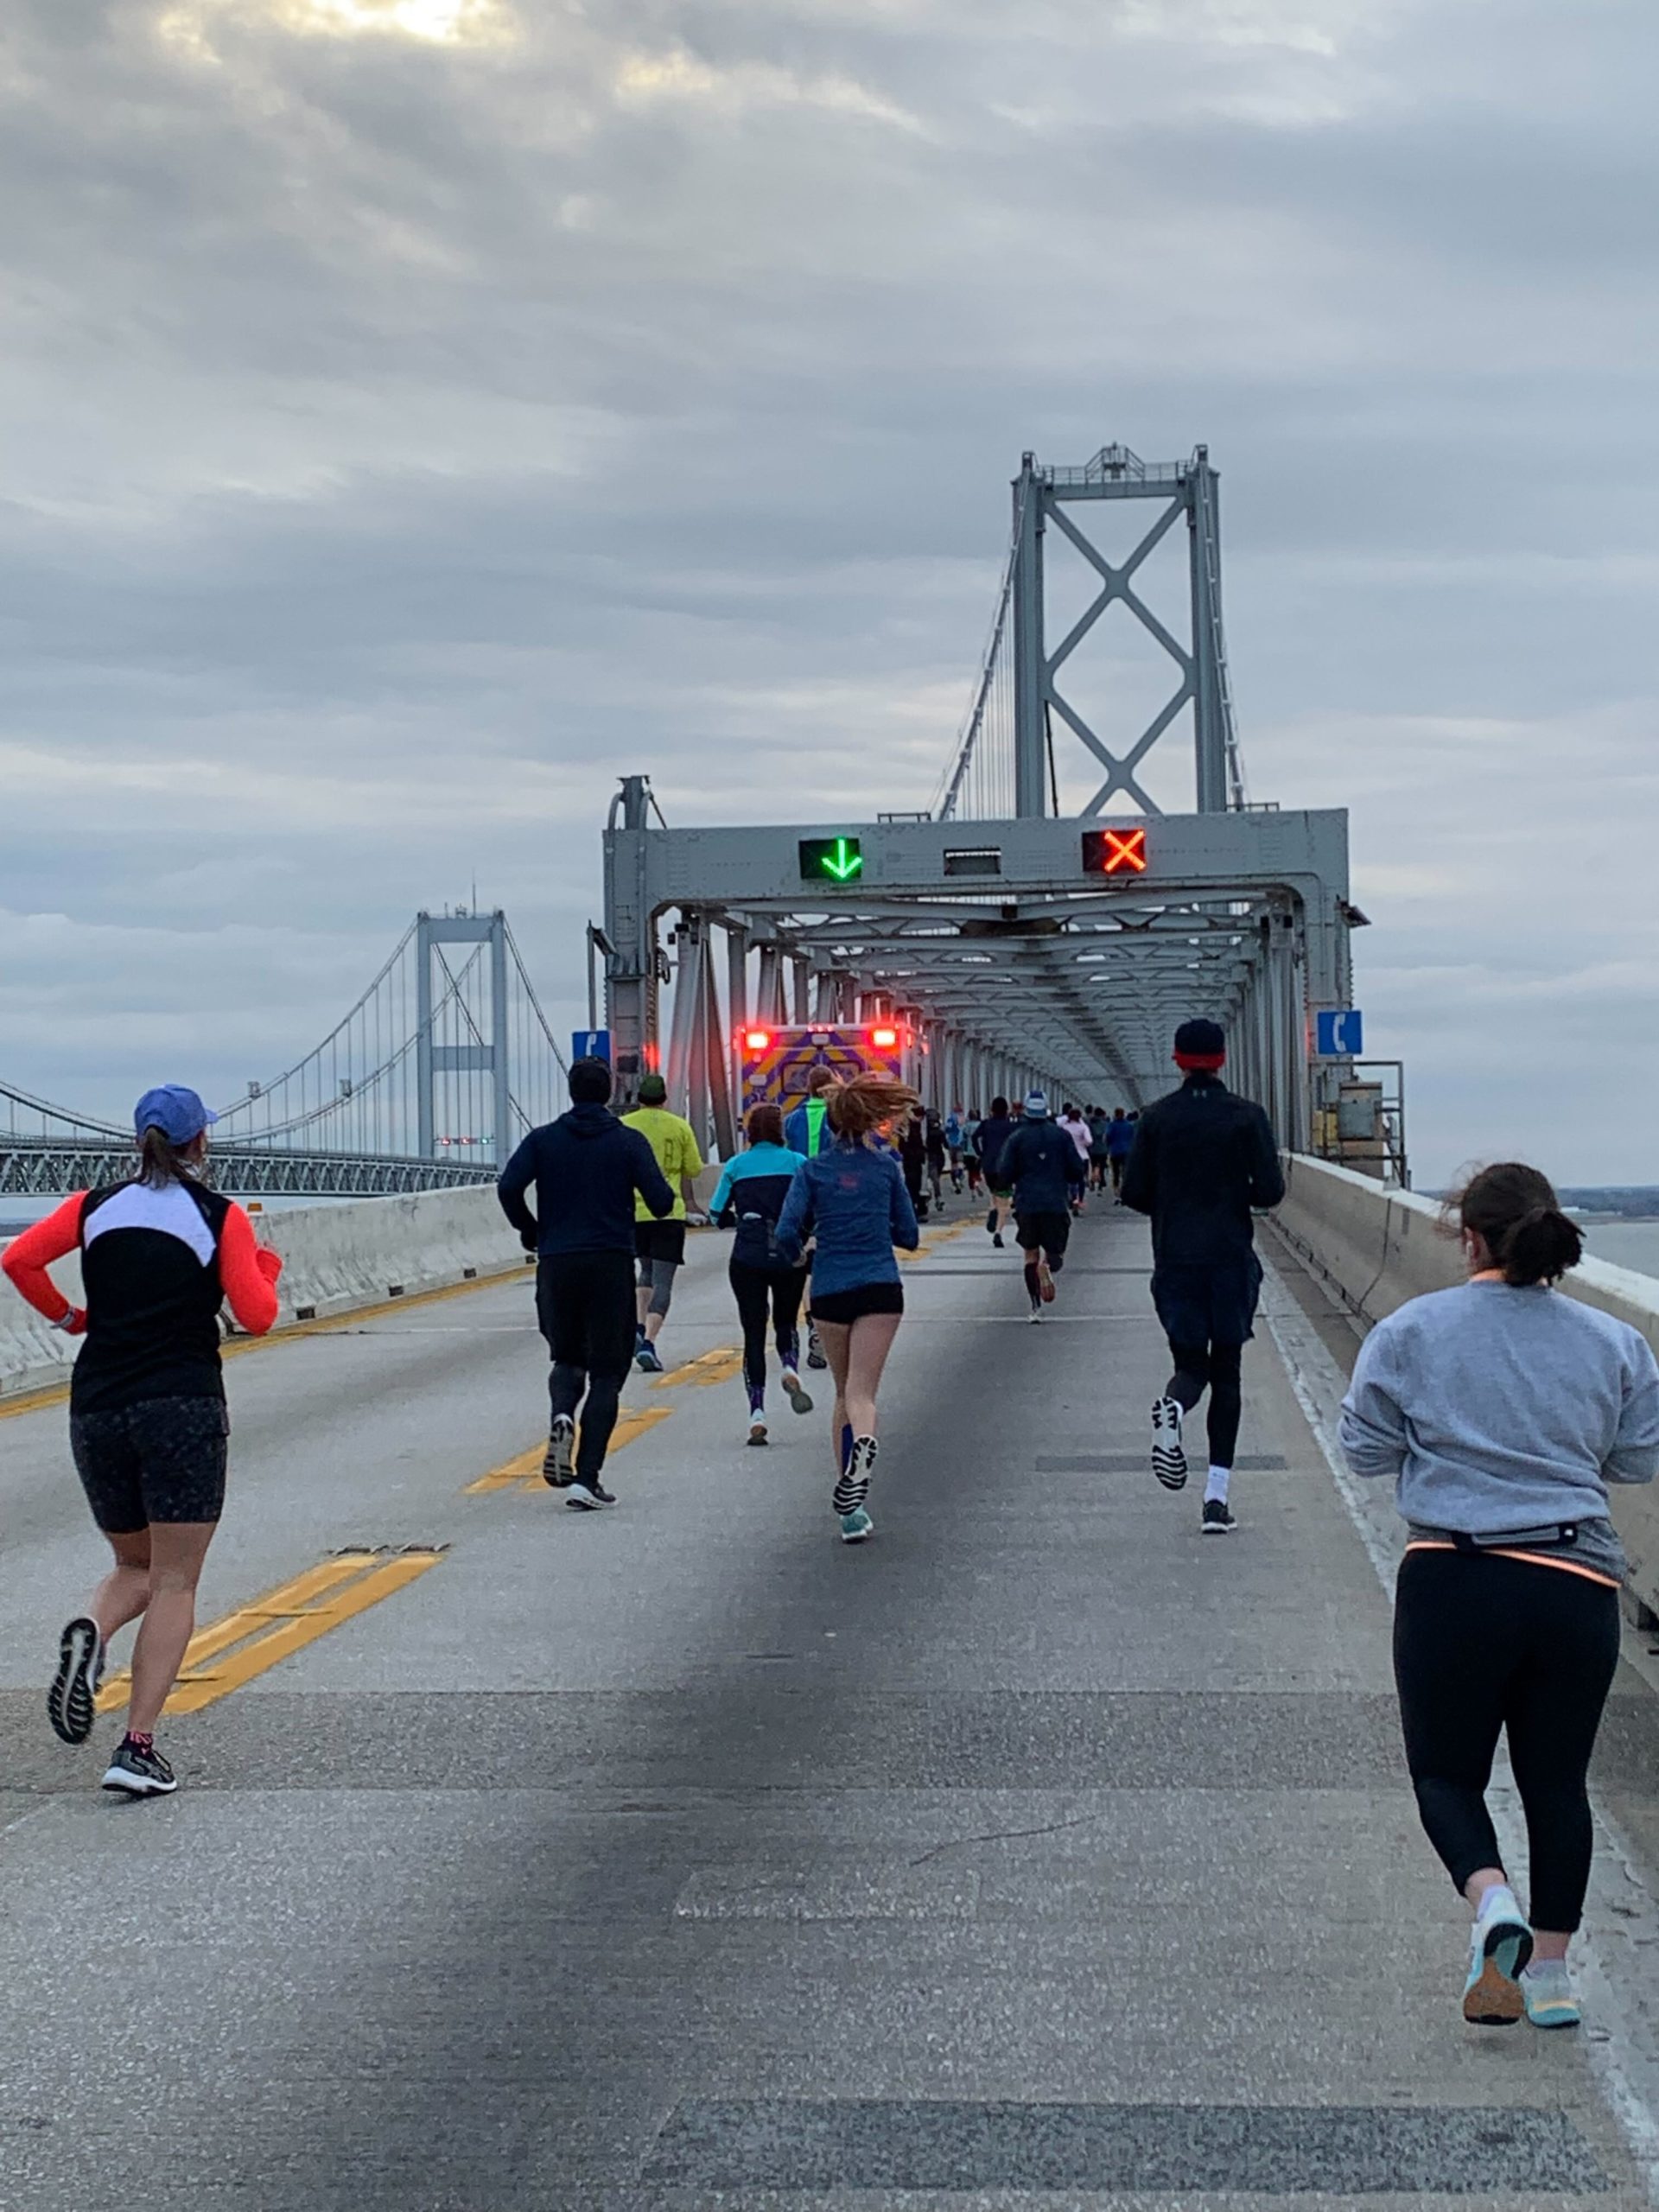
(586, 1168)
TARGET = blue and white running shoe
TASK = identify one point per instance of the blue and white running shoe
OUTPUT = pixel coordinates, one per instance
(1549, 1998)
(856, 1528)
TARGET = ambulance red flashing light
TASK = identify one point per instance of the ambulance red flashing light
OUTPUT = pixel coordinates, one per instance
(884, 1040)
(756, 1040)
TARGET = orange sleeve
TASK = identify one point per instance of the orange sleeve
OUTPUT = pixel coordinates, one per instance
(245, 1272)
(26, 1258)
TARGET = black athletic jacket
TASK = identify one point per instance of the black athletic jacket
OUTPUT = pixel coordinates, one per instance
(1203, 1157)
(586, 1168)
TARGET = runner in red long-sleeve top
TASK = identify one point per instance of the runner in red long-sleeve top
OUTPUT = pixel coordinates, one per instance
(147, 1424)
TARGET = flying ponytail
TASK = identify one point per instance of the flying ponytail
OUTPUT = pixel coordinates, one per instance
(857, 1107)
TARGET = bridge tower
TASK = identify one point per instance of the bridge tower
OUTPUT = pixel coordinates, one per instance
(488, 1055)
(1187, 489)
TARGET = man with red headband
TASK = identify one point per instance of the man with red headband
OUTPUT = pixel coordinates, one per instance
(1203, 1158)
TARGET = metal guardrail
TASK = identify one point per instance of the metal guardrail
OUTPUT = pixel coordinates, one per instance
(37, 1168)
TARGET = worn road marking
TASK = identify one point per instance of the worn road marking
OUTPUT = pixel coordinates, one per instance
(525, 1471)
(629, 1425)
(509, 1472)
(717, 1366)
(221, 1658)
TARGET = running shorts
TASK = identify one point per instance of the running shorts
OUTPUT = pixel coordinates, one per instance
(660, 1240)
(1208, 1306)
(999, 1190)
(161, 1459)
(843, 1307)
(1051, 1232)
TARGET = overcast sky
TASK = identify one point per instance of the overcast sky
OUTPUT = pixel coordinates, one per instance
(418, 412)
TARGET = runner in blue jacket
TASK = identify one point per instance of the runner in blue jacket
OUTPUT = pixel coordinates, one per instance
(852, 1198)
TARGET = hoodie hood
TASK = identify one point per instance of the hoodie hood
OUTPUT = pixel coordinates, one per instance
(591, 1120)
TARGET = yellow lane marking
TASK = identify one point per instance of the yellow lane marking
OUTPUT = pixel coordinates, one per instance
(57, 1394)
(717, 1366)
(509, 1472)
(247, 1641)
(525, 1471)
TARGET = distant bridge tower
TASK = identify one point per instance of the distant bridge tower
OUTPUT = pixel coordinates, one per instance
(488, 1054)
(1188, 488)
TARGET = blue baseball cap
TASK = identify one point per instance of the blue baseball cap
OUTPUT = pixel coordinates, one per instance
(174, 1111)
(1036, 1105)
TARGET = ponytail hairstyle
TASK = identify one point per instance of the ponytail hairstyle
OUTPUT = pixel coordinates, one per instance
(858, 1107)
(161, 1161)
(1514, 1210)
(764, 1124)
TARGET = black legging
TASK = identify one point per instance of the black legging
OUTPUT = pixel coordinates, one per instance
(1485, 1644)
(755, 1289)
(584, 1303)
(1214, 1368)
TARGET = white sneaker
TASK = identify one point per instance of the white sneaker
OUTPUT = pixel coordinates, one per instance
(757, 1429)
(796, 1392)
(1168, 1452)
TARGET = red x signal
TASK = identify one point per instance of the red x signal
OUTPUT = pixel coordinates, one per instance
(1115, 852)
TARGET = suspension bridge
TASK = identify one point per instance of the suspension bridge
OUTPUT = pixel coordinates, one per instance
(427, 1082)
(1034, 928)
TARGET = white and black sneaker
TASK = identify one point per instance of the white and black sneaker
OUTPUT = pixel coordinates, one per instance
(139, 1770)
(1036, 1309)
(853, 1485)
(816, 1356)
(587, 1494)
(758, 1429)
(1218, 1518)
(558, 1468)
(72, 1701)
(1168, 1454)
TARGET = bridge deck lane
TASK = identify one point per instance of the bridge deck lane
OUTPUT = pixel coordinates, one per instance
(678, 1857)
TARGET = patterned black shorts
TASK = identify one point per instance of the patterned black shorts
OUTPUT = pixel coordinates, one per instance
(163, 1459)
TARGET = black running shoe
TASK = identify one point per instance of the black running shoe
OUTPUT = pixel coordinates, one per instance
(990, 1222)
(1217, 1519)
(1168, 1454)
(587, 1495)
(854, 1486)
(139, 1770)
(558, 1468)
(71, 1702)
(815, 1352)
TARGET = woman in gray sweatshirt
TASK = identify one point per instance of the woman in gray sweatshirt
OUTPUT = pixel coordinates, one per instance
(1503, 1410)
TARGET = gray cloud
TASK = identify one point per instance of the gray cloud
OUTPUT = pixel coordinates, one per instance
(411, 435)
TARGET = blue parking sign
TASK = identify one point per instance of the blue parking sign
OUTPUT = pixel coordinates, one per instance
(1339, 1032)
(591, 1045)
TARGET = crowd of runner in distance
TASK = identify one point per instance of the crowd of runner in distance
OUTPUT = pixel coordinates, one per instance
(1500, 1410)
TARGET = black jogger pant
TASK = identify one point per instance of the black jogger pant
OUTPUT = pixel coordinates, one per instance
(1485, 1644)
(755, 1290)
(1214, 1368)
(584, 1304)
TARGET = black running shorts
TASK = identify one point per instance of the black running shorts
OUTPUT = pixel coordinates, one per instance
(660, 1240)
(1052, 1232)
(161, 1459)
(843, 1307)
(1208, 1306)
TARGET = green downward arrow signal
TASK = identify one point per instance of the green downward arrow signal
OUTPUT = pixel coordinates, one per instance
(843, 860)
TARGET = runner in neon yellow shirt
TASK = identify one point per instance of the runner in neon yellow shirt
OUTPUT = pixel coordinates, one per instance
(659, 1246)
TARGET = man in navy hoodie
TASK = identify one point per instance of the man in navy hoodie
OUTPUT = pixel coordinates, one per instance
(586, 1168)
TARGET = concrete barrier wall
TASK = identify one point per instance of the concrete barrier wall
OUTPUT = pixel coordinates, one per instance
(1377, 1248)
(336, 1258)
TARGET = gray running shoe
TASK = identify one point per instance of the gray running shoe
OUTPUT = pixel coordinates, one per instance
(71, 1702)
(558, 1467)
(139, 1770)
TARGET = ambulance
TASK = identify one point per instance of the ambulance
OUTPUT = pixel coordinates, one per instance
(775, 1061)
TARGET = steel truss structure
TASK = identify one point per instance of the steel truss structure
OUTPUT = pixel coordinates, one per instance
(1017, 964)
(38, 1167)
(1188, 490)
